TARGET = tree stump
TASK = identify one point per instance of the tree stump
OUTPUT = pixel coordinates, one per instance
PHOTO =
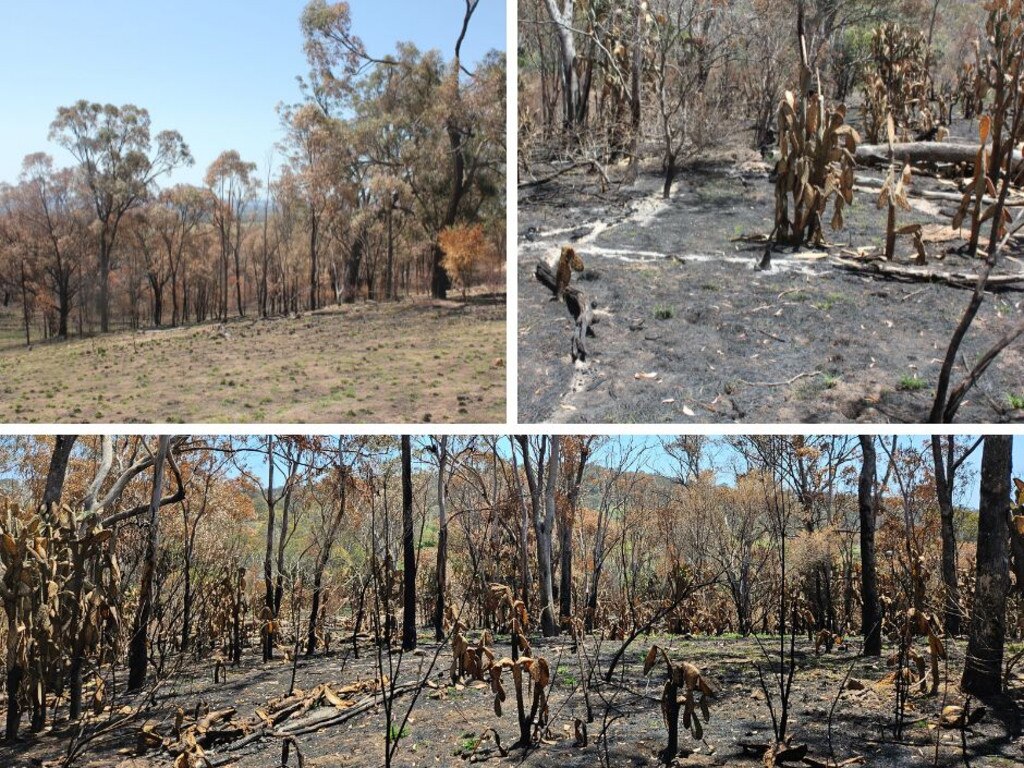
(579, 307)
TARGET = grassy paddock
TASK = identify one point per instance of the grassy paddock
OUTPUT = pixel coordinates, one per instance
(408, 362)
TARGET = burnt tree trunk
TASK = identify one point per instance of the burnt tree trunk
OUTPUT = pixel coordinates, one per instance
(321, 567)
(579, 307)
(442, 539)
(871, 617)
(983, 667)
(138, 652)
(268, 557)
(408, 551)
(670, 702)
(944, 496)
(57, 471)
(544, 525)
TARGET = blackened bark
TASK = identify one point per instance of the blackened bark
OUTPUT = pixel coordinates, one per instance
(408, 551)
(138, 651)
(871, 617)
(57, 472)
(983, 667)
(268, 561)
(442, 538)
(944, 496)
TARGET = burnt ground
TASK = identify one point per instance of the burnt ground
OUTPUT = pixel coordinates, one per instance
(678, 297)
(448, 721)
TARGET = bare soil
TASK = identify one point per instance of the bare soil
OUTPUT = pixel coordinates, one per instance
(414, 361)
(448, 721)
(690, 332)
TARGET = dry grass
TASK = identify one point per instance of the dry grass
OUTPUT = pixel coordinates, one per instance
(410, 362)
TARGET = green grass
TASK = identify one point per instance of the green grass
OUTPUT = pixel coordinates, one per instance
(664, 313)
(1016, 401)
(830, 381)
(566, 678)
(910, 382)
(394, 734)
(828, 302)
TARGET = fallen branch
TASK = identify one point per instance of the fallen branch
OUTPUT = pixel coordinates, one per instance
(958, 394)
(316, 722)
(581, 309)
(591, 164)
(915, 152)
(786, 383)
(954, 279)
(870, 187)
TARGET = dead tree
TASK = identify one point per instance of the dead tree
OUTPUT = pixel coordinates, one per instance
(408, 551)
(581, 309)
(983, 667)
(138, 654)
(871, 617)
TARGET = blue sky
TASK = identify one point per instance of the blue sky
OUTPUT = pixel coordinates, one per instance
(724, 460)
(654, 459)
(214, 70)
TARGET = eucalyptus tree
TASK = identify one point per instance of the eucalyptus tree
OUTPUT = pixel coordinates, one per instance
(439, 114)
(50, 213)
(186, 207)
(983, 667)
(311, 150)
(233, 185)
(119, 162)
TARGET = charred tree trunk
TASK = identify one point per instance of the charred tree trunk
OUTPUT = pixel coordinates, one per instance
(670, 702)
(408, 551)
(581, 309)
(565, 567)
(138, 652)
(442, 538)
(282, 541)
(636, 72)
(351, 283)
(566, 526)
(268, 557)
(983, 667)
(944, 495)
(544, 528)
(57, 471)
(186, 597)
(321, 567)
(670, 175)
(871, 617)
(15, 674)
(314, 610)
(236, 618)
(314, 268)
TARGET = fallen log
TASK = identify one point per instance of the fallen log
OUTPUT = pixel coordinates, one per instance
(869, 186)
(585, 319)
(579, 307)
(925, 152)
(896, 272)
(316, 721)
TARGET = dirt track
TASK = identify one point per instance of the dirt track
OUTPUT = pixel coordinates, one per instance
(678, 297)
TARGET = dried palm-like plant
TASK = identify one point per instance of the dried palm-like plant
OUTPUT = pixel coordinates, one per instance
(897, 81)
(685, 677)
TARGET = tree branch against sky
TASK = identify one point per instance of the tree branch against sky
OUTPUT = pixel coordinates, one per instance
(88, 43)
